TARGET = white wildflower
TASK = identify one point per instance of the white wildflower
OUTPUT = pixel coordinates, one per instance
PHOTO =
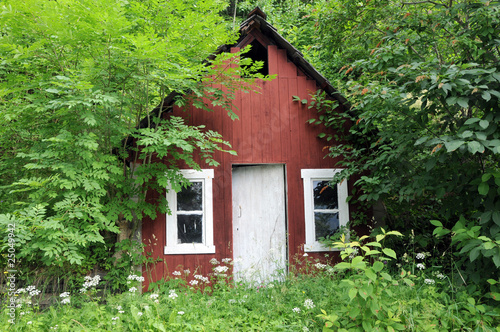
(119, 307)
(21, 290)
(139, 313)
(153, 296)
(173, 295)
(180, 312)
(232, 301)
(29, 323)
(305, 254)
(132, 289)
(187, 271)
(34, 292)
(114, 318)
(193, 282)
(320, 266)
(440, 276)
(420, 256)
(65, 294)
(22, 313)
(429, 281)
(354, 252)
(420, 266)
(121, 311)
(201, 278)
(176, 273)
(309, 304)
(214, 261)
(226, 260)
(221, 269)
(297, 310)
(90, 282)
(66, 301)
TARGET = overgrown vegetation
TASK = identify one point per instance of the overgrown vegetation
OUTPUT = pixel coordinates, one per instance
(76, 79)
(423, 80)
(359, 294)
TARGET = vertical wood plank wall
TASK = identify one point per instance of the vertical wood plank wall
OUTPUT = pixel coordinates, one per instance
(271, 129)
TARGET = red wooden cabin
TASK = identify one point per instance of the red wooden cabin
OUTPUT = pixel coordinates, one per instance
(268, 204)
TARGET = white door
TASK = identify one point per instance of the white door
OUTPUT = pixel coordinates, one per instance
(259, 222)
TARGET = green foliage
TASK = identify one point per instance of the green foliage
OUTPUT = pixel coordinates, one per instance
(367, 288)
(376, 298)
(423, 80)
(76, 79)
(188, 301)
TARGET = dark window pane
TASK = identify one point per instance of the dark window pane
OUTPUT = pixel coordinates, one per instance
(325, 196)
(189, 228)
(191, 198)
(326, 224)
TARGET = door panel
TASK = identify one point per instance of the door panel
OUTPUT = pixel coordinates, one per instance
(259, 222)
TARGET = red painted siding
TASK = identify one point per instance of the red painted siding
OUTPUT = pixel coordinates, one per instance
(271, 129)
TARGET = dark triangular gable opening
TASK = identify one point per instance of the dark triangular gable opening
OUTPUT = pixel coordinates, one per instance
(259, 53)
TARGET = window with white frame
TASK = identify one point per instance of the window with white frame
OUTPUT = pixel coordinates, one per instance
(190, 225)
(325, 205)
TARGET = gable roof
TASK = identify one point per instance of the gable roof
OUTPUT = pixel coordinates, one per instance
(257, 21)
(256, 27)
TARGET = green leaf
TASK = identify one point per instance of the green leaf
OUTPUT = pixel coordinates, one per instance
(471, 121)
(496, 217)
(453, 145)
(446, 87)
(389, 252)
(464, 102)
(475, 146)
(474, 253)
(386, 276)
(451, 101)
(370, 274)
(466, 134)
(343, 266)
(436, 223)
(486, 95)
(352, 293)
(378, 266)
(421, 140)
(483, 188)
(484, 124)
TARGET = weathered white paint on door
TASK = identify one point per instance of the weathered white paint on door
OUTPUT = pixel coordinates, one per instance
(259, 222)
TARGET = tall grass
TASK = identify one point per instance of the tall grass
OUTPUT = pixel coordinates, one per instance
(300, 302)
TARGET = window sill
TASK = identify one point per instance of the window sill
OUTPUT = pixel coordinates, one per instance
(186, 249)
(318, 247)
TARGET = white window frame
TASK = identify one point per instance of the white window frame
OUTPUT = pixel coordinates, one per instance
(207, 246)
(308, 176)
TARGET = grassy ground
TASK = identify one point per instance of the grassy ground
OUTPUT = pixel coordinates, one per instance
(309, 301)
